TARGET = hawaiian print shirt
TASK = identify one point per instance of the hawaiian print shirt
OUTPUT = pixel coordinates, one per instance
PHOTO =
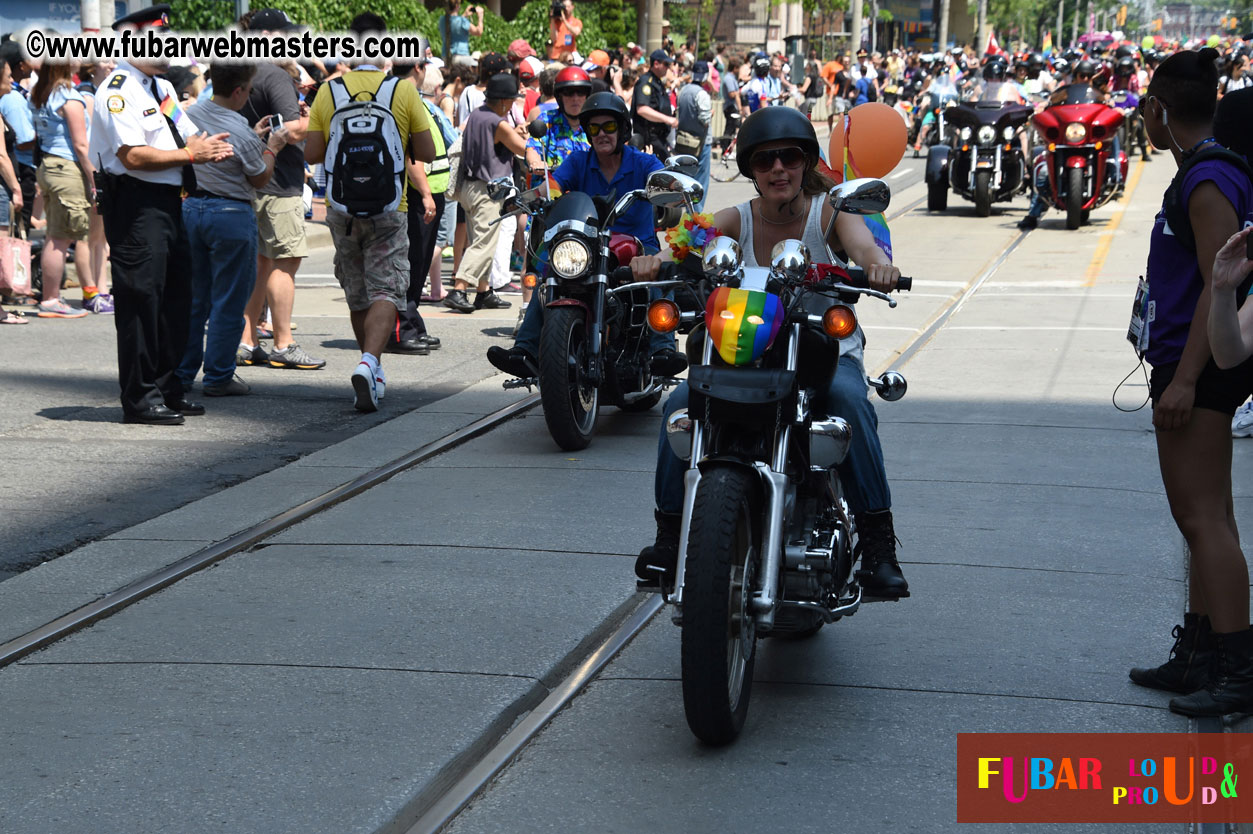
(560, 140)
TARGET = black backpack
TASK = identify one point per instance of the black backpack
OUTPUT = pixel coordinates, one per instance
(1175, 210)
(365, 158)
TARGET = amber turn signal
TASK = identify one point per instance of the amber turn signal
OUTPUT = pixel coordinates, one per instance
(663, 315)
(839, 322)
(530, 280)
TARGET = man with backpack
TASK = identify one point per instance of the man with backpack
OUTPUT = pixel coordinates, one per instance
(360, 126)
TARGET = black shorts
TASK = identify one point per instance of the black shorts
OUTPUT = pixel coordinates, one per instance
(461, 214)
(1216, 389)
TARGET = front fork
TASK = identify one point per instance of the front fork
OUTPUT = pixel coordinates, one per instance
(764, 602)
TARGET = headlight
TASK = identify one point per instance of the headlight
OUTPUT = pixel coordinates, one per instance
(1075, 133)
(570, 258)
(966, 134)
(987, 135)
(1008, 133)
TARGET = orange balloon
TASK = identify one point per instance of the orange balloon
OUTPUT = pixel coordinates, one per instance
(835, 149)
(876, 138)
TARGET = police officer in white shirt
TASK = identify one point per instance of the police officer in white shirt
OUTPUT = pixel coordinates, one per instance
(144, 147)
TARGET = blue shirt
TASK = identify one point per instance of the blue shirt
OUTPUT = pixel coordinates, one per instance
(581, 172)
(459, 39)
(50, 123)
(16, 114)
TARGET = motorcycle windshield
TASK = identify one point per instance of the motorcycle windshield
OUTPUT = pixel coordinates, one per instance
(1082, 94)
(573, 206)
(742, 323)
(1000, 92)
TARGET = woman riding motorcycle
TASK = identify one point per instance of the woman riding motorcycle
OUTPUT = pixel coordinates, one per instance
(779, 152)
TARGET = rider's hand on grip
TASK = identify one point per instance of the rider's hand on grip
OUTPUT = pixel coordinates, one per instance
(645, 267)
(858, 278)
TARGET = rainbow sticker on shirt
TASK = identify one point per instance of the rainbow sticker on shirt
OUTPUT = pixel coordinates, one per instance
(742, 323)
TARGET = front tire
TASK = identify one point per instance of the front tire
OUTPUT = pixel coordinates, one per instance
(983, 193)
(719, 634)
(570, 402)
(1074, 198)
(723, 169)
(937, 196)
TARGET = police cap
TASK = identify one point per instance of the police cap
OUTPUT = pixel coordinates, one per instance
(157, 17)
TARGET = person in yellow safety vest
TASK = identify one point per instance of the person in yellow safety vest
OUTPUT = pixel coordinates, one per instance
(427, 184)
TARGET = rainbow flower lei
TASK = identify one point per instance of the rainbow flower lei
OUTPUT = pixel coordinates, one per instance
(691, 236)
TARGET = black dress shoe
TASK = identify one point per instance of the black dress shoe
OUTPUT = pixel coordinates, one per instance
(430, 341)
(158, 415)
(186, 407)
(490, 301)
(410, 346)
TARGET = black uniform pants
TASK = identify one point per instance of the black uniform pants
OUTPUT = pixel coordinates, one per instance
(422, 235)
(151, 289)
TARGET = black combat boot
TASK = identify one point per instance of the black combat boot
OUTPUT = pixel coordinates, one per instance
(657, 561)
(1230, 685)
(880, 574)
(1188, 667)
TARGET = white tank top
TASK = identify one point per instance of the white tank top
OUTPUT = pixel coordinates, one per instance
(853, 345)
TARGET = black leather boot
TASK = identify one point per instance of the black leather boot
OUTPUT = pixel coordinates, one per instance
(880, 574)
(1230, 685)
(1188, 667)
(657, 561)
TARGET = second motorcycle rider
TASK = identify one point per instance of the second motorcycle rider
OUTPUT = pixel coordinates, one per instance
(779, 152)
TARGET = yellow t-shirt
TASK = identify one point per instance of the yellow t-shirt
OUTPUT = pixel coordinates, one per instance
(407, 108)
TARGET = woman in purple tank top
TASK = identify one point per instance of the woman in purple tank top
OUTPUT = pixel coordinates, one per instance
(1211, 663)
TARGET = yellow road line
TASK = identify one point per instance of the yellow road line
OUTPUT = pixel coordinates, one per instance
(1107, 239)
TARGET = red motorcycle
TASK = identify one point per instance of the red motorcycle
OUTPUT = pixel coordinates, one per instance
(1080, 132)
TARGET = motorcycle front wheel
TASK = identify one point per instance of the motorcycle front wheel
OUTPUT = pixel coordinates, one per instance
(1074, 198)
(719, 635)
(983, 193)
(937, 196)
(570, 401)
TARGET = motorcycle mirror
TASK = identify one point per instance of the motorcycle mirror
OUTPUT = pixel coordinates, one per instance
(789, 259)
(861, 196)
(668, 188)
(891, 386)
(498, 189)
(722, 256)
(537, 129)
(681, 161)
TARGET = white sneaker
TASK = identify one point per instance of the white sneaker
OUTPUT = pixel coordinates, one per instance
(1242, 422)
(366, 389)
(380, 383)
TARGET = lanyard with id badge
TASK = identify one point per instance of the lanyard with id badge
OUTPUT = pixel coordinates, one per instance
(1143, 312)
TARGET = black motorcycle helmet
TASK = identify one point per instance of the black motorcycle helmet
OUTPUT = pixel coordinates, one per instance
(1124, 51)
(609, 104)
(761, 66)
(1035, 63)
(1085, 68)
(772, 124)
(1060, 67)
(1126, 67)
(995, 69)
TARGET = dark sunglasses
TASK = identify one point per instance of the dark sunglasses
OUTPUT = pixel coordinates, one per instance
(763, 161)
(594, 129)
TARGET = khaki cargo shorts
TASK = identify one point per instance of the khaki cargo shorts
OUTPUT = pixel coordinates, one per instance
(65, 198)
(280, 226)
(371, 257)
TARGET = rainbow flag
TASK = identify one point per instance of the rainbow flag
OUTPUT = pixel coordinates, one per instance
(171, 110)
(1046, 46)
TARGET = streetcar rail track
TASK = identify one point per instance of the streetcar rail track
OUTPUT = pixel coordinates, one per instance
(114, 601)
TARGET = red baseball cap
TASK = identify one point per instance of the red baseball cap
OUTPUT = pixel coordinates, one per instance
(520, 49)
(529, 67)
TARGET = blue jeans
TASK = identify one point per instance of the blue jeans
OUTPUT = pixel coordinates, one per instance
(533, 324)
(223, 238)
(702, 174)
(862, 473)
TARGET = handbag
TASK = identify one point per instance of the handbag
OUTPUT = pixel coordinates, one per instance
(15, 262)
